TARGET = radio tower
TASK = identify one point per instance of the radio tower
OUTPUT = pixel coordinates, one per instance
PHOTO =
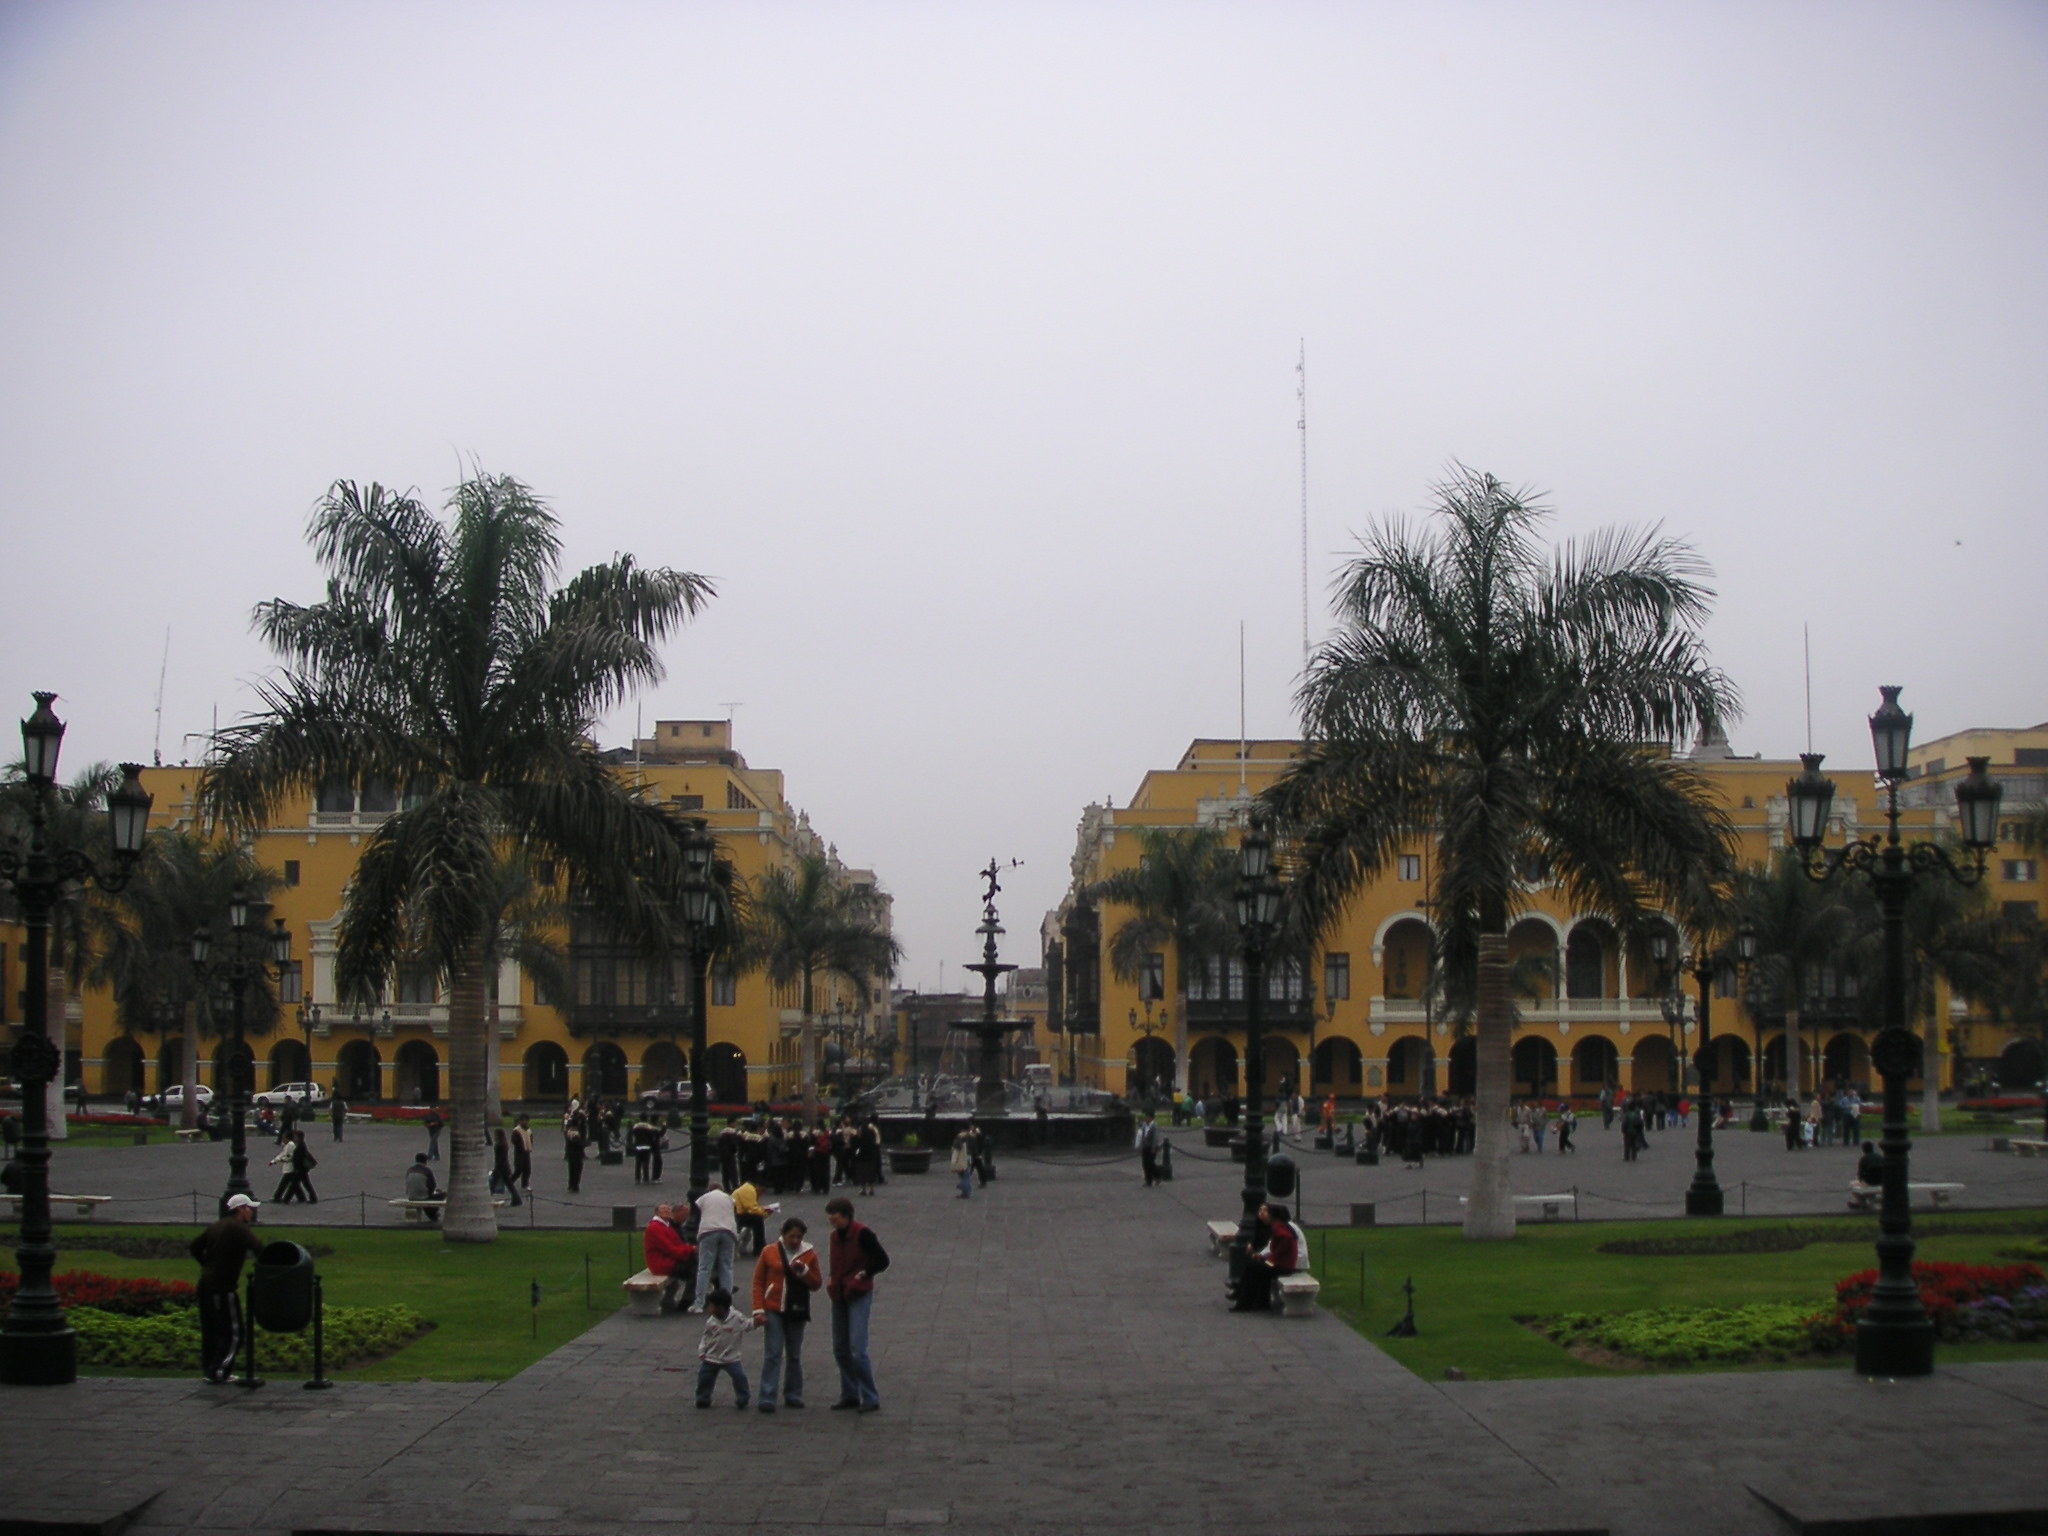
(1301, 423)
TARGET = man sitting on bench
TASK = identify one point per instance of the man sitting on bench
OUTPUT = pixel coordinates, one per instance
(420, 1184)
(1262, 1269)
(671, 1257)
(1870, 1166)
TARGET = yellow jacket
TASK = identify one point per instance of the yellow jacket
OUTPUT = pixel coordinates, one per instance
(746, 1201)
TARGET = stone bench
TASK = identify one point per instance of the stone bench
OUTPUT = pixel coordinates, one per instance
(1298, 1294)
(1221, 1235)
(1553, 1205)
(416, 1210)
(194, 1134)
(1864, 1197)
(85, 1203)
(644, 1292)
(2030, 1148)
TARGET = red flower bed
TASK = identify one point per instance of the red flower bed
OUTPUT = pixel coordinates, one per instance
(103, 1293)
(1959, 1299)
(2010, 1101)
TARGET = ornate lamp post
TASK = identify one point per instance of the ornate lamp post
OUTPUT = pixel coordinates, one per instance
(37, 1347)
(309, 1020)
(1894, 1336)
(1703, 1196)
(246, 956)
(1258, 914)
(699, 912)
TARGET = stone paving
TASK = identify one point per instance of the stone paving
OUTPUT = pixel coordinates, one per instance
(1054, 1357)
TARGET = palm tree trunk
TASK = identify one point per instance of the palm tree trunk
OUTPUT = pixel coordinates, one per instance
(469, 1216)
(1180, 1018)
(1792, 1053)
(807, 1064)
(494, 1106)
(188, 1114)
(53, 1029)
(1930, 1069)
(1490, 1213)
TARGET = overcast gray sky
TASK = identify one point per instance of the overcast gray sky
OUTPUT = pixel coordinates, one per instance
(957, 344)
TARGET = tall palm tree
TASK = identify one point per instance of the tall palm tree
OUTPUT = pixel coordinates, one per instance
(77, 822)
(142, 942)
(1503, 700)
(447, 661)
(805, 922)
(1179, 895)
(1801, 929)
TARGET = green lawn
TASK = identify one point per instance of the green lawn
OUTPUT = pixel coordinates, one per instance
(476, 1296)
(1468, 1295)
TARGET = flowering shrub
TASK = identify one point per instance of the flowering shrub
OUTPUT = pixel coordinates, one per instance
(171, 1342)
(1684, 1335)
(1965, 1302)
(103, 1293)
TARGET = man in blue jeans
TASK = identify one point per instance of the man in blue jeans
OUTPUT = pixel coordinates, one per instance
(856, 1258)
(717, 1236)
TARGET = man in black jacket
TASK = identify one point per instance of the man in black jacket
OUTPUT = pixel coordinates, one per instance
(220, 1251)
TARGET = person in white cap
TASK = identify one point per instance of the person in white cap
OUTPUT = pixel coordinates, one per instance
(220, 1251)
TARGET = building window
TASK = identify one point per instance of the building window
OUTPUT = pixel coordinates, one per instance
(1724, 980)
(1411, 866)
(335, 799)
(735, 801)
(291, 872)
(687, 802)
(724, 986)
(543, 994)
(1336, 977)
(2030, 757)
(1235, 972)
(1152, 980)
(1283, 982)
(290, 985)
(416, 986)
(2019, 870)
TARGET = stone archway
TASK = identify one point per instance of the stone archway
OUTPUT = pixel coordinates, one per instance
(359, 1071)
(1656, 1066)
(121, 1067)
(289, 1063)
(725, 1073)
(1595, 1064)
(1151, 1063)
(226, 1056)
(1338, 1068)
(1535, 1065)
(1727, 1065)
(1212, 1068)
(2020, 1064)
(604, 1072)
(1409, 1063)
(1464, 1068)
(544, 1075)
(662, 1062)
(416, 1073)
(1846, 1059)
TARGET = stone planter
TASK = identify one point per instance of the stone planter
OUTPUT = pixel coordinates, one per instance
(910, 1160)
(1217, 1135)
(1237, 1149)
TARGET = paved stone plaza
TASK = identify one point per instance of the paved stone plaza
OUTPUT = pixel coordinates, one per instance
(1054, 1356)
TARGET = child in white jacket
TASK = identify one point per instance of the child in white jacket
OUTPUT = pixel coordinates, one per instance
(719, 1348)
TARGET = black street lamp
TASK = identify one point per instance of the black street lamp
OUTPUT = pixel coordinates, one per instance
(1258, 915)
(246, 957)
(699, 914)
(1894, 1336)
(309, 1020)
(37, 1347)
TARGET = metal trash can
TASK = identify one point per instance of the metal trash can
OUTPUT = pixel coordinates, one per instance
(625, 1218)
(281, 1288)
(1280, 1176)
(1365, 1213)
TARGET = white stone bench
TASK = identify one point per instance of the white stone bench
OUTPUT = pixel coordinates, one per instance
(1553, 1205)
(1864, 1197)
(1221, 1235)
(2030, 1148)
(195, 1133)
(85, 1203)
(358, 1117)
(1298, 1295)
(416, 1210)
(644, 1290)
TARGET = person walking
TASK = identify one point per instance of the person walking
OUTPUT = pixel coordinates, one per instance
(784, 1278)
(717, 1237)
(1567, 1122)
(1148, 1150)
(502, 1182)
(1631, 1130)
(338, 1114)
(642, 1138)
(1607, 1107)
(522, 1153)
(857, 1257)
(433, 1123)
(867, 1158)
(573, 1149)
(220, 1252)
(962, 1165)
(718, 1349)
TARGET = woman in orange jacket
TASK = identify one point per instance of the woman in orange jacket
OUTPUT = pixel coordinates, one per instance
(784, 1278)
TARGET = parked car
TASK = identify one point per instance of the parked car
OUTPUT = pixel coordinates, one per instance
(665, 1096)
(172, 1099)
(301, 1094)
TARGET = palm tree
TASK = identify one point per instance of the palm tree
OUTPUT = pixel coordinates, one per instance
(806, 922)
(1954, 938)
(142, 942)
(1180, 898)
(77, 821)
(446, 661)
(1501, 701)
(1801, 930)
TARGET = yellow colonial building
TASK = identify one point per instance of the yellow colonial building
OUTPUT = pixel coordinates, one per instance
(625, 1023)
(1357, 1020)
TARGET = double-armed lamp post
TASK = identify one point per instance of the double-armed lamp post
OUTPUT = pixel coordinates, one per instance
(1894, 1336)
(37, 1347)
(250, 946)
(700, 913)
(1258, 916)
(1703, 1196)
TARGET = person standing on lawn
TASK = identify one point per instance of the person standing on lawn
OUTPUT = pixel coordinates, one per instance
(784, 1278)
(434, 1122)
(857, 1257)
(220, 1251)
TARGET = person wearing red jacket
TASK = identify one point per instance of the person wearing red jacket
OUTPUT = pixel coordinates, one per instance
(856, 1258)
(1279, 1257)
(669, 1258)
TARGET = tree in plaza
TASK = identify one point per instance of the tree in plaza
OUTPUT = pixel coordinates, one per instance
(77, 822)
(806, 922)
(142, 945)
(1507, 703)
(1180, 896)
(446, 661)
(1802, 930)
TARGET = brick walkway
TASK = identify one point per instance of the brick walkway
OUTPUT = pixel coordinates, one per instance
(1054, 1357)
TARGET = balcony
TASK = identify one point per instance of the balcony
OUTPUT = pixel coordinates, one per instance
(1625, 1013)
(1226, 1014)
(646, 1019)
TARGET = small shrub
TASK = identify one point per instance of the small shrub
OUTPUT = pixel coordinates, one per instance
(911, 1143)
(1689, 1335)
(171, 1342)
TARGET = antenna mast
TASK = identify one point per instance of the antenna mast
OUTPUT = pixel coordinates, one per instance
(156, 751)
(1240, 707)
(1301, 424)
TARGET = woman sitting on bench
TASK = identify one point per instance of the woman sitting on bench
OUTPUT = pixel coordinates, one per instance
(1262, 1269)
